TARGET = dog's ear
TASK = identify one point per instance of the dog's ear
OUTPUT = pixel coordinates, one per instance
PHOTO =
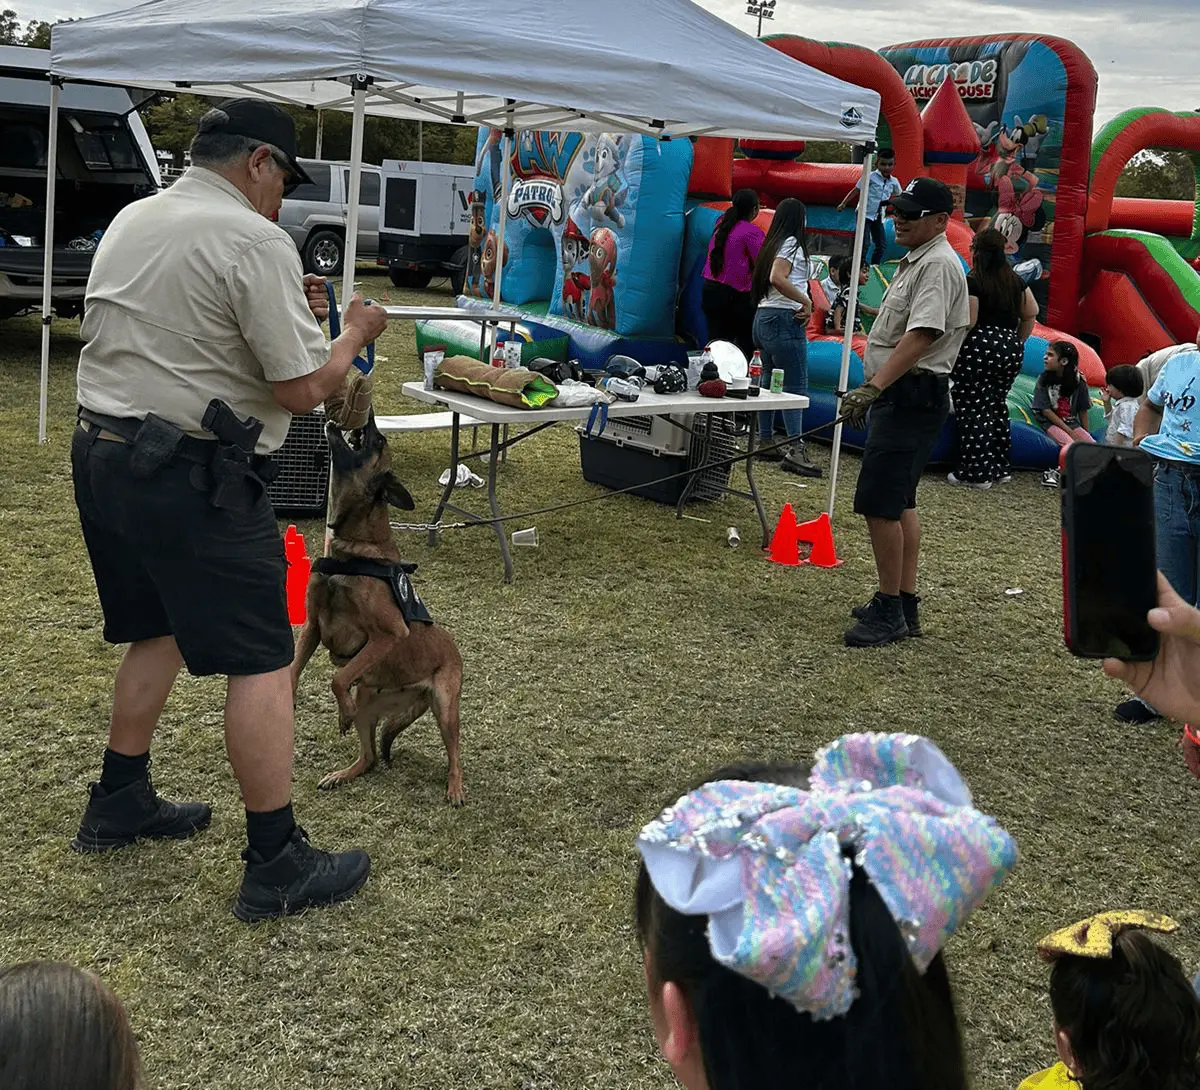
(396, 494)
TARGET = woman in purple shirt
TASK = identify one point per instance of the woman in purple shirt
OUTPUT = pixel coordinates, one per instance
(727, 302)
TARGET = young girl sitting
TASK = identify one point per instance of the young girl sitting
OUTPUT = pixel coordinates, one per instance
(1061, 400)
(1125, 1015)
(792, 919)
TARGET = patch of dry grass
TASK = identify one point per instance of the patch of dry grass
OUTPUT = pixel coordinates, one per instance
(492, 946)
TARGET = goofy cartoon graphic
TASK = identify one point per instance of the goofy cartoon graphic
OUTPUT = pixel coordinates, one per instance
(575, 285)
(602, 258)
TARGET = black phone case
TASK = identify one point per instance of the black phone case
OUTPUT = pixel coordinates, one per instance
(1070, 633)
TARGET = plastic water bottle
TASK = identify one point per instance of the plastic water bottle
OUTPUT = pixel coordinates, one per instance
(756, 368)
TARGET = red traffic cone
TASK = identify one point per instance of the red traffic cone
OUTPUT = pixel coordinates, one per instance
(785, 544)
(298, 571)
(819, 534)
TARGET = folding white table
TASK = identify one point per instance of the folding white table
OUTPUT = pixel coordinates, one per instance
(648, 404)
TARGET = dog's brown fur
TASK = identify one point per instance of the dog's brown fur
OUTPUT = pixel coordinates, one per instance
(387, 672)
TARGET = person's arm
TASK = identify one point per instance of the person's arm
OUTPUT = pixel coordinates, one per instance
(754, 243)
(849, 199)
(973, 303)
(1147, 422)
(839, 319)
(363, 325)
(1029, 313)
(781, 269)
(911, 347)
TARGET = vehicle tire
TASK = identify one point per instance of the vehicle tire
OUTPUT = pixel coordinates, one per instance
(323, 253)
(458, 274)
(410, 278)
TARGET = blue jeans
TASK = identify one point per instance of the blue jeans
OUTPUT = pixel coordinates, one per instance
(784, 344)
(1177, 529)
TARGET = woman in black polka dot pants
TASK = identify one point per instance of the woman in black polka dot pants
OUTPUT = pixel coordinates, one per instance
(1003, 310)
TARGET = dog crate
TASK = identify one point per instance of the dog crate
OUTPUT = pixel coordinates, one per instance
(635, 452)
(302, 485)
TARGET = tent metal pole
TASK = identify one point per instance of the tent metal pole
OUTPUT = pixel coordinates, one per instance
(505, 184)
(420, 141)
(856, 260)
(320, 134)
(350, 255)
(48, 256)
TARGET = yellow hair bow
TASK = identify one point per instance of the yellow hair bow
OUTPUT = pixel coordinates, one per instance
(1093, 937)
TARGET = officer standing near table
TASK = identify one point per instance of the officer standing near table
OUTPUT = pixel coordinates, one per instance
(910, 352)
(196, 305)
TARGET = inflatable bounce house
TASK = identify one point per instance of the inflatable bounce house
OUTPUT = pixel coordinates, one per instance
(607, 234)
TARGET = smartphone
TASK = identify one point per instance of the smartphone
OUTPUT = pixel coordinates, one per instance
(1109, 565)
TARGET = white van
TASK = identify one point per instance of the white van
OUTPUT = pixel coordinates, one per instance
(105, 161)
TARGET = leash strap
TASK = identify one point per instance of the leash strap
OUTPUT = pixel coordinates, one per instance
(335, 330)
(599, 413)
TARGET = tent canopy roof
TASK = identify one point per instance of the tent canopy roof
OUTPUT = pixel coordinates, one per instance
(667, 68)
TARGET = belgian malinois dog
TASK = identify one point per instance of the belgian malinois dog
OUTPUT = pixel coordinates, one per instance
(390, 670)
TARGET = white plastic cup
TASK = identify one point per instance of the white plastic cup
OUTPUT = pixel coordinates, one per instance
(433, 356)
(526, 537)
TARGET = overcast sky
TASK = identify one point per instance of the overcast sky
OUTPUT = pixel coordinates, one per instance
(1142, 49)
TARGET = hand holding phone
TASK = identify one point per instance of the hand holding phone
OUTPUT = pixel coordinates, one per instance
(1108, 542)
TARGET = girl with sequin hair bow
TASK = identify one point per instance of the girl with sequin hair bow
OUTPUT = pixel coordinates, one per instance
(1125, 1015)
(792, 919)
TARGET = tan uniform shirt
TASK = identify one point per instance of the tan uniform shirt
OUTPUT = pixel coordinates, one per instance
(195, 295)
(928, 292)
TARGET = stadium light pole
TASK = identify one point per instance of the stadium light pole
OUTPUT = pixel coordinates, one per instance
(763, 9)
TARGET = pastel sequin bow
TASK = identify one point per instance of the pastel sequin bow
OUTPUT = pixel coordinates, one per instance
(1093, 937)
(768, 864)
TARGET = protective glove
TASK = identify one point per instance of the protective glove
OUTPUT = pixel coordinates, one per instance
(856, 403)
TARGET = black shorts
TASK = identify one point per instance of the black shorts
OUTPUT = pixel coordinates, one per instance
(903, 428)
(168, 563)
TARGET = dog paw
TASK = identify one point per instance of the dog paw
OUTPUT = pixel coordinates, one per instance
(456, 795)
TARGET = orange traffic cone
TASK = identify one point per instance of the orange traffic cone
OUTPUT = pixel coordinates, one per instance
(298, 570)
(785, 542)
(819, 534)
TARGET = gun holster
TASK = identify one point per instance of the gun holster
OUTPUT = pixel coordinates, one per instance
(235, 477)
(153, 446)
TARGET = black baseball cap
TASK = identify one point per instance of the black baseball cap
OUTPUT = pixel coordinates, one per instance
(259, 120)
(924, 197)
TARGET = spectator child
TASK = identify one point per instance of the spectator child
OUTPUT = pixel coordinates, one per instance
(840, 269)
(63, 1029)
(1061, 400)
(1125, 1015)
(881, 188)
(792, 919)
(1121, 394)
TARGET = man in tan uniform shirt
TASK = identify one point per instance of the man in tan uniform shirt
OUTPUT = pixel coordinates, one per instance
(910, 353)
(196, 295)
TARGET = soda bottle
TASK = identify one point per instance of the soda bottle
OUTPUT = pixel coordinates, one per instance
(756, 369)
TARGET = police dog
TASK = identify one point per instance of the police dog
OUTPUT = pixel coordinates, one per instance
(389, 671)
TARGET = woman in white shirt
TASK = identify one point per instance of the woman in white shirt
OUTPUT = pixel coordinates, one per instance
(780, 292)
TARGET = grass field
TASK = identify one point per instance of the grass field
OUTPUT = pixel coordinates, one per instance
(492, 946)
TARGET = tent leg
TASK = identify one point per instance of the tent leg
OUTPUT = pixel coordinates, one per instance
(320, 134)
(856, 261)
(356, 141)
(505, 184)
(48, 257)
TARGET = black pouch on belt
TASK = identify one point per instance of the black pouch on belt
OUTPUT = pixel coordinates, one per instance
(154, 446)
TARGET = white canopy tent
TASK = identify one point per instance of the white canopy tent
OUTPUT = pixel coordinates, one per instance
(668, 69)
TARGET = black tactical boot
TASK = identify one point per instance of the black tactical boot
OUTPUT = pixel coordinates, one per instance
(909, 603)
(136, 812)
(883, 623)
(299, 877)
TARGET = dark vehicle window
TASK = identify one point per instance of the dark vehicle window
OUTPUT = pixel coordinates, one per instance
(368, 187)
(107, 149)
(400, 204)
(319, 190)
(22, 146)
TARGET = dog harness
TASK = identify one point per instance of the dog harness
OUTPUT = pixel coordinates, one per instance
(395, 575)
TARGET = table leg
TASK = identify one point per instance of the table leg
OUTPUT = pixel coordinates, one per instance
(449, 489)
(751, 443)
(694, 476)
(494, 506)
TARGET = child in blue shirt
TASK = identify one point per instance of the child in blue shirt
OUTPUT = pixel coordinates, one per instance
(881, 188)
